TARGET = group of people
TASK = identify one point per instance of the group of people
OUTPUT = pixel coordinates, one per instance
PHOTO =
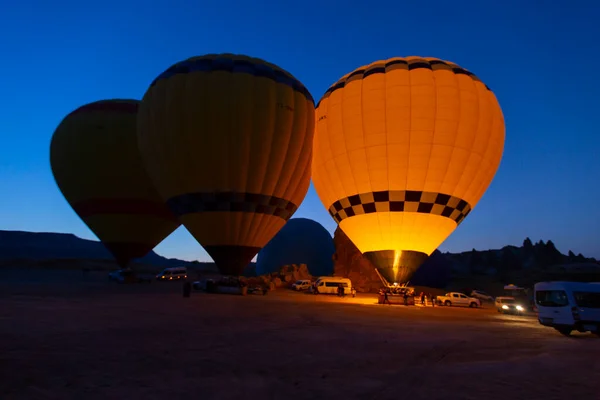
(406, 293)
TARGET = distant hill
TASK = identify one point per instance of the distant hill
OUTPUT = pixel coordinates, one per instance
(19, 245)
(519, 265)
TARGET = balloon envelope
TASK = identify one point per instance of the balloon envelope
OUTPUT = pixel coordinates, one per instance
(227, 140)
(403, 150)
(97, 167)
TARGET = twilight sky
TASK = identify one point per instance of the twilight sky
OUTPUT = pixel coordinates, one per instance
(537, 56)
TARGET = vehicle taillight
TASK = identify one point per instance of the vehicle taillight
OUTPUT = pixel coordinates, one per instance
(575, 312)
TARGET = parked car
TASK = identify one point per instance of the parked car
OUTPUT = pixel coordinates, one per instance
(302, 284)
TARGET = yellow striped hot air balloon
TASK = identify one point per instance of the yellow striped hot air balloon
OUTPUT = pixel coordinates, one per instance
(404, 149)
(98, 168)
(227, 140)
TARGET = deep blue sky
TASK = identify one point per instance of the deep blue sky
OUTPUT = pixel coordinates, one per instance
(539, 57)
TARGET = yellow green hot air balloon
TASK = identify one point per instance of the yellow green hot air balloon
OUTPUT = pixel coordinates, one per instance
(403, 150)
(98, 168)
(227, 140)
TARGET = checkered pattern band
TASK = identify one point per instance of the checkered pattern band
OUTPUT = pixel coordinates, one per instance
(231, 202)
(401, 201)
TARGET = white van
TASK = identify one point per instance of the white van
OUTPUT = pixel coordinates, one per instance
(569, 306)
(170, 274)
(330, 284)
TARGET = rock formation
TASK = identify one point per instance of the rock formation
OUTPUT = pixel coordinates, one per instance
(285, 277)
(350, 263)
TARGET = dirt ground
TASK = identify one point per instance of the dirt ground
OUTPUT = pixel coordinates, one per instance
(64, 335)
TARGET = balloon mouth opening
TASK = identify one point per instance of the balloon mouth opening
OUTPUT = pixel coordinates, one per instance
(231, 260)
(396, 266)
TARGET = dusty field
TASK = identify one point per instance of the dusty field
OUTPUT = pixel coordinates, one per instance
(66, 336)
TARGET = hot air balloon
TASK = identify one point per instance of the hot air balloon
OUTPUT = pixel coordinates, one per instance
(403, 150)
(227, 140)
(98, 168)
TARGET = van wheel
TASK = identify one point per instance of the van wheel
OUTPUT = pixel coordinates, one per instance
(447, 303)
(473, 305)
(564, 331)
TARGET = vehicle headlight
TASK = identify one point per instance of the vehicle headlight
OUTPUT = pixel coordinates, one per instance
(519, 308)
(505, 307)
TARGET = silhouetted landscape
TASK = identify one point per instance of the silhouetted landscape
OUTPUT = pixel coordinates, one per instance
(524, 265)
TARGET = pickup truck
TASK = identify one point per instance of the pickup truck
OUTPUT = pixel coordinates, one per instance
(458, 299)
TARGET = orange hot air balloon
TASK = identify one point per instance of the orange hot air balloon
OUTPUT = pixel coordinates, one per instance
(227, 140)
(403, 150)
(97, 167)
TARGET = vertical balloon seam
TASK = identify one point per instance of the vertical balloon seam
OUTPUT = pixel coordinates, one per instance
(240, 219)
(346, 154)
(410, 123)
(229, 84)
(381, 217)
(260, 222)
(434, 84)
(386, 217)
(482, 170)
(481, 166)
(269, 87)
(472, 149)
(326, 138)
(176, 109)
(282, 186)
(456, 130)
(363, 134)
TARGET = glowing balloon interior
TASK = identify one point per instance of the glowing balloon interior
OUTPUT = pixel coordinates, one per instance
(403, 150)
(227, 140)
(97, 167)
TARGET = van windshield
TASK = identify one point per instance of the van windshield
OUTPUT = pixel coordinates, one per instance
(587, 299)
(507, 301)
(551, 298)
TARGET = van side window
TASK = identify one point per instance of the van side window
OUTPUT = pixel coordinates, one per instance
(587, 299)
(551, 298)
